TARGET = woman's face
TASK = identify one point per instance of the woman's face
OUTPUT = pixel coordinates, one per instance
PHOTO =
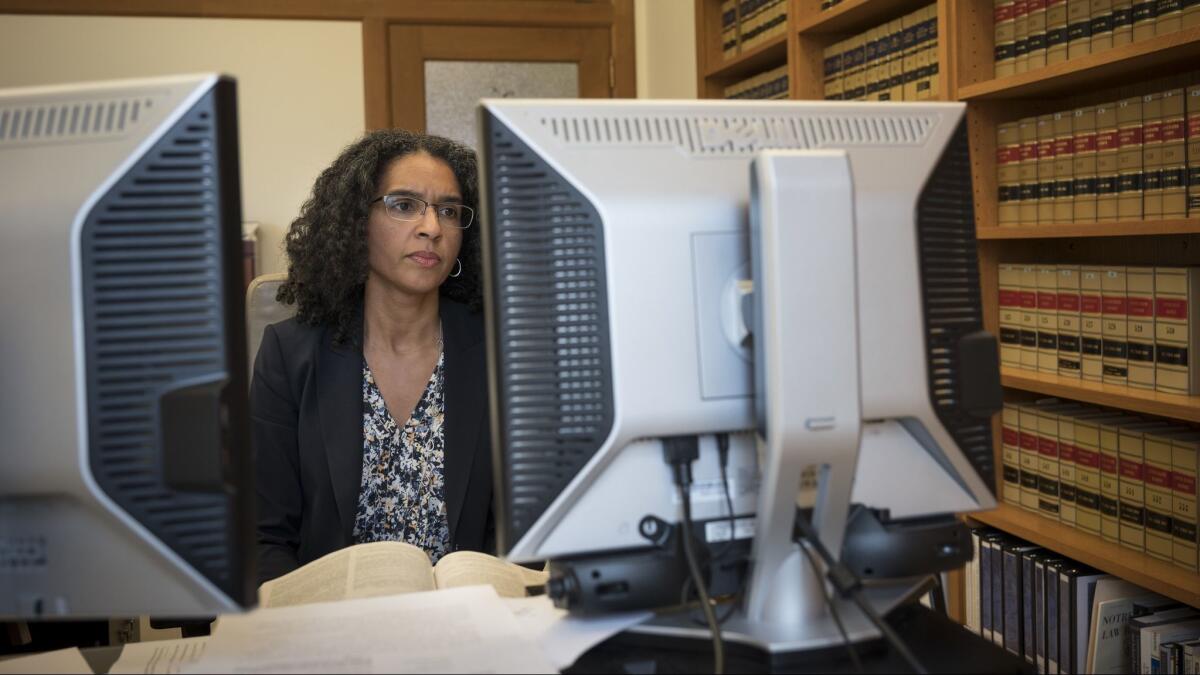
(414, 256)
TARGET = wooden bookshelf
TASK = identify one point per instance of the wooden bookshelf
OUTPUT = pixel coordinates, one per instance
(1173, 406)
(1133, 228)
(851, 15)
(1157, 575)
(762, 57)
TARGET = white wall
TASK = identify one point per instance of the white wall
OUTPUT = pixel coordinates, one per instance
(665, 34)
(300, 88)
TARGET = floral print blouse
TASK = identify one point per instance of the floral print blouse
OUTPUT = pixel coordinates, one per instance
(403, 496)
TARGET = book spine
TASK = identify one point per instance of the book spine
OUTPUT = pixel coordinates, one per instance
(1052, 601)
(926, 56)
(1056, 31)
(1027, 172)
(1004, 22)
(933, 70)
(971, 584)
(1010, 314)
(1107, 173)
(1115, 326)
(896, 60)
(1048, 502)
(911, 25)
(1131, 483)
(871, 64)
(1084, 199)
(1079, 28)
(1036, 56)
(985, 588)
(1175, 333)
(1047, 319)
(1028, 434)
(1193, 144)
(1101, 25)
(1064, 167)
(997, 579)
(1091, 324)
(1152, 125)
(1069, 364)
(1087, 476)
(1185, 473)
(1029, 318)
(1068, 492)
(1139, 326)
(1110, 492)
(1021, 35)
(1039, 615)
(1122, 22)
(1170, 17)
(729, 42)
(1129, 158)
(833, 68)
(1145, 16)
(1012, 601)
(1174, 154)
(1008, 161)
(1011, 448)
(1066, 602)
(1157, 469)
(1028, 595)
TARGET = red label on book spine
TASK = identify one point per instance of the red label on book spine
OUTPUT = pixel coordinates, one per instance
(1170, 308)
(1028, 299)
(1158, 477)
(1131, 469)
(1087, 458)
(1108, 463)
(1141, 306)
(1193, 126)
(1085, 143)
(1067, 452)
(1011, 437)
(1045, 150)
(1062, 146)
(1028, 441)
(1115, 304)
(1035, 5)
(1090, 304)
(1068, 302)
(1183, 483)
(1003, 12)
(1020, 8)
(1152, 132)
(1028, 151)
(1047, 447)
(1172, 130)
(1047, 300)
(1129, 137)
(1010, 298)
(1106, 140)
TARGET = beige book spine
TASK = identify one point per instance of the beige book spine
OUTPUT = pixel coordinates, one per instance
(1008, 165)
(1084, 194)
(1152, 123)
(1110, 491)
(871, 64)
(1047, 319)
(1170, 17)
(1011, 442)
(1010, 315)
(1175, 334)
(933, 66)
(1036, 52)
(1139, 326)
(1157, 473)
(1005, 32)
(1064, 167)
(1173, 157)
(1185, 474)
(1029, 317)
(1193, 146)
(1068, 305)
(729, 40)
(1028, 433)
(1087, 475)
(1101, 25)
(1067, 478)
(1056, 31)
(896, 60)
(1106, 162)
(1115, 310)
(1079, 28)
(833, 67)
(1021, 35)
(1091, 322)
(1045, 169)
(1122, 22)
(1129, 158)
(1145, 15)
(912, 24)
(1027, 172)
(1132, 486)
(1048, 464)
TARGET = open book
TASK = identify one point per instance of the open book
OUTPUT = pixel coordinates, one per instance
(391, 567)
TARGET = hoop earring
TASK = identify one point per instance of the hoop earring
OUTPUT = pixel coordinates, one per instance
(459, 272)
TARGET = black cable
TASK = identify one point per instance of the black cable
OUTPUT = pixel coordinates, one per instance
(858, 667)
(850, 586)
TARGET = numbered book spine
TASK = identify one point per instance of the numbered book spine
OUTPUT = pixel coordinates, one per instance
(1084, 130)
(1068, 481)
(1145, 16)
(1131, 481)
(1045, 169)
(833, 72)
(1115, 316)
(1122, 22)
(1028, 435)
(1004, 23)
(1184, 476)
(911, 26)
(1102, 25)
(1047, 319)
(1056, 31)
(1079, 28)
(1107, 173)
(933, 70)
(1064, 167)
(1193, 146)
(1091, 323)
(1158, 495)
(1087, 475)
(729, 41)
(1110, 492)
(1174, 154)
(1021, 28)
(1011, 436)
(1036, 56)
(1152, 127)
(871, 65)
(896, 60)
(1010, 315)
(1069, 363)
(1029, 317)
(1139, 326)
(1170, 17)
(1175, 289)
(1129, 158)
(1048, 500)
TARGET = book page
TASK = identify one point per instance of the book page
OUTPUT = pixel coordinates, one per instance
(159, 656)
(364, 570)
(68, 660)
(468, 568)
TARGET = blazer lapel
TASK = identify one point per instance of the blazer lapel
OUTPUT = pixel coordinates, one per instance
(339, 402)
(465, 400)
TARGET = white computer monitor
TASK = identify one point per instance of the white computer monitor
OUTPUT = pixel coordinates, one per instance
(127, 484)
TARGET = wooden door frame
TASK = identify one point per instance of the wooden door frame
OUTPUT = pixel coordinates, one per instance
(375, 16)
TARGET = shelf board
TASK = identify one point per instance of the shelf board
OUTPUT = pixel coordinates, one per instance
(1128, 228)
(1173, 406)
(1156, 575)
(1139, 59)
(766, 55)
(854, 15)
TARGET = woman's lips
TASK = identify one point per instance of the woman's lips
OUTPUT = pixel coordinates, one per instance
(425, 258)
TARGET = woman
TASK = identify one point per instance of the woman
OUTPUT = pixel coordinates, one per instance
(370, 406)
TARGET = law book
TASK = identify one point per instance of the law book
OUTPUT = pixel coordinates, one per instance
(1088, 482)
(729, 38)
(854, 89)
(1122, 22)
(1091, 324)
(1036, 52)
(1029, 598)
(1170, 17)
(1047, 319)
(1145, 16)
(750, 18)
(1152, 143)
(1008, 166)
(1029, 317)
(1005, 27)
(1083, 127)
(1011, 454)
(1129, 158)
(997, 589)
(896, 60)
(911, 45)
(1184, 476)
(1076, 589)
(1193, 141)
(1107, 171)
(1069, 302)
(1110, 491)
(971, 584)
(1139, 326)
(1048, 460)
(987, 546)
(871, 64)
(1182, 626)
(1173, 157)
(1009, 278)
(1112, 608)
(1131, 482)
(1052, 600)
(1014, 596)
(1045, 169)
(1068, 491)
(1079, 28)
(1115, 308)
(883, 86)
(925, 58)
(1064, 167)
(1028, 433)
(833, 72)
(1191, 14)
(1102, 25)
(1021, 37)
(1040, 617)
(392, 567)
(1157, 468)
(1056, 31)
(932, 69)
(1176, 290)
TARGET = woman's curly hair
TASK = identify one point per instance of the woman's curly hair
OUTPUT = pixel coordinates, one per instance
(327, 245)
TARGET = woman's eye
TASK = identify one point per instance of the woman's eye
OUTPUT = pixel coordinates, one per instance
(447, 212)
(405, 205)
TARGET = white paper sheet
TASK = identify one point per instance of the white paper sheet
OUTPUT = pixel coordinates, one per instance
(159, 656)
(456, 630)
(564, 638)
(59, 661)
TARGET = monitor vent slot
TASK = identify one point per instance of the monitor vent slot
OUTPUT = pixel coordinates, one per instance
(551, 353)
(71, 120)
(154, 318)
(738, 135)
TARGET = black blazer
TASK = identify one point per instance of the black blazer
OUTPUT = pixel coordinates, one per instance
(306, 407)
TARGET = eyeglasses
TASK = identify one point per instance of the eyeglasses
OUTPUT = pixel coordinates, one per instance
(407, 209)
